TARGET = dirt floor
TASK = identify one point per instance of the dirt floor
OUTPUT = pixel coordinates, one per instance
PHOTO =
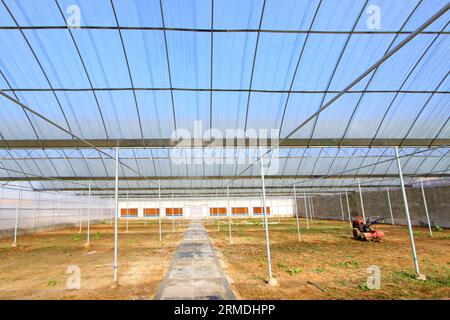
(37, 268)
(328, 264)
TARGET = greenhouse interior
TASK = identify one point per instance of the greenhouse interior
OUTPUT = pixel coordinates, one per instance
(224, 150)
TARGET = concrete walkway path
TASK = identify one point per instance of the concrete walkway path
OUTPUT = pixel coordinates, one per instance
(195, 272)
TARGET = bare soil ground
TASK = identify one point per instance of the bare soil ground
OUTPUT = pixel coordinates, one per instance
(37, 268)
(328, 263)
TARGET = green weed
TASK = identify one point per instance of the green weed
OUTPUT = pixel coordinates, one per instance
(52, 283)
(348, 263)
(363, 287)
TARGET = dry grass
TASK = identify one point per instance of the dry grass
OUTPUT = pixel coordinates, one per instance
(36, 269)
(332, 261)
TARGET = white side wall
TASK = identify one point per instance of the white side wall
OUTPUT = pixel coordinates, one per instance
(278, 206)
(42, 209)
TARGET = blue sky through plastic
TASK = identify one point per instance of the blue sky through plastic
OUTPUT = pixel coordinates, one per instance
(275, 61)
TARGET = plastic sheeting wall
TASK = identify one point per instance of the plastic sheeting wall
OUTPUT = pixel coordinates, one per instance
(376, 204)
(44, 209)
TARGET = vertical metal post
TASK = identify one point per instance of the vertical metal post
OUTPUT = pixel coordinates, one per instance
(426, 208)
(173, 213)
(229, 215)
(306, 210)
(53, 207)
(143, 210)
(342, 207)
(348, 209)
(269, 266)
(59, 207)
(249, 206)
(112, 210)
(116, 215)
(311, 209)
(408, 219)
(79, 201)
(390, 206)
(262, 206)
(159, 210)
(34, 212)
(296, 215)
(218, 212)
(271, 205)
(89, 215)
(182, 214)
(19, 200)
(362, 202)
(128, 211)
(38, 209)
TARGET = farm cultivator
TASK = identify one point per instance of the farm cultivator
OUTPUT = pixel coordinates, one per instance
(365, 230)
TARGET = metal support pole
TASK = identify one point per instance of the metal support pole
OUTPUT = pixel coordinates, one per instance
(159, 210)
(34, 212)
(182, 214)
(173, 213)
(80, 214)
(112, 210)
(59, 207)
(342, 207)
(262, 206)
(229, 215)
(311, 211)
(250, 207)
(390, 206)
(38, 209)
(306, 210)
(143, 211)
(269, 266)
(408, 219)
(19, 200)
(218, 212)
(89, 215)
(312, 206)
(116, 202)
(348, 209)
(271, 206)
(296, 215)
(128, 210)
(53, 208)
(362, 202)
(426, 208)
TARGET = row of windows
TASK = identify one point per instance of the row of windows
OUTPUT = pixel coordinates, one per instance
(151, 212)
(237, 211)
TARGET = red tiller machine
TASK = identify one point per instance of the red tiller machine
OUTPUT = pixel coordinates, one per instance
(366, 231)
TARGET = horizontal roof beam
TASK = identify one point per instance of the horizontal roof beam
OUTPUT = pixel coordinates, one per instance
(220, 143)
(216, 30)
(168, 191)
(233, 90)
(169, 178)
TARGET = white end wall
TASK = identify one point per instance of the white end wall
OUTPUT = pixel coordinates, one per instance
(278, 206)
